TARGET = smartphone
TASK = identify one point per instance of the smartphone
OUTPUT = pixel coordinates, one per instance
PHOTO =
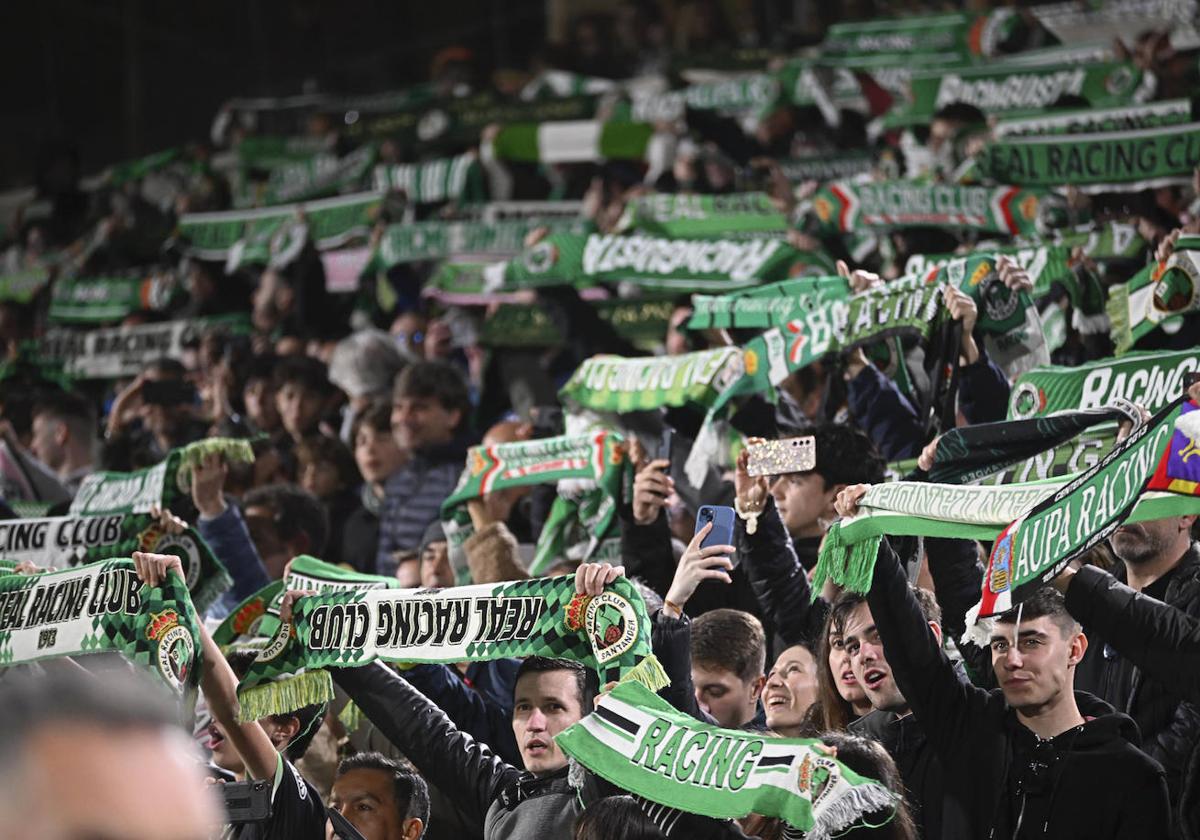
(247, 802)
(168, 392)
(721, 518)
(779, 457)
(665, 444)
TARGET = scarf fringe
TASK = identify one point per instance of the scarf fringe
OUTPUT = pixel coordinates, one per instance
(1117, 308)
(841, 813)
(351, 716)
(233, 450)
(851, 565)
(218, 583)
(649, 672)
(284, 695)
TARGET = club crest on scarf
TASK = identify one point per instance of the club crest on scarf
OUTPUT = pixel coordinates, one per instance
(1179, 470)
(175, 648)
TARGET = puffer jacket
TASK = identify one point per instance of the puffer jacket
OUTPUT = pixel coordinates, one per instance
(1169, 724)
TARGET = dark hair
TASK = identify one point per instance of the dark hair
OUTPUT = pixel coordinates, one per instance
(305, 371)
(376, 416)
(615, 817)
(408, 788)
(847, 601)
(441, 381)
(260, 366)
(585, 679)
(310, 718)
(67, 407)
(296, 511)
(846, 456)
(831, 711)
(112, 702)
(1046, 602)
(168, 367)
(732, 640)
(868, 758)
(324, 449)
(962, 112)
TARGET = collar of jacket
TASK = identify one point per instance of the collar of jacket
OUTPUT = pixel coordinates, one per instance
(1184, 583)
(529, 786)
(454, 450)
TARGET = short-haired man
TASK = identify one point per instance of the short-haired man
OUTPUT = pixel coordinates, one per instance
(302, 395)
(1159, 559)
(1027, 759)
(538, 803)
(284, 521)
(85, 755)
(429, 416)
(64, 436)
(381, 798)
(892, 723)
(729, 652)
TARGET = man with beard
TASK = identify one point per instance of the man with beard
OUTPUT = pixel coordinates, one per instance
(1160, 560)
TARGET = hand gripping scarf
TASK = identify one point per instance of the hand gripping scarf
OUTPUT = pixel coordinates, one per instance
(104, 493)
(101, 607)
(1156, 295)
(589, 469)
(64, 541)
(537, 617)
(1099, 162)
(1039, 544)
(1150, 379)
(638, 742)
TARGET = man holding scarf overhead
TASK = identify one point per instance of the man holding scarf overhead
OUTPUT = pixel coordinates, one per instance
(1026, 760)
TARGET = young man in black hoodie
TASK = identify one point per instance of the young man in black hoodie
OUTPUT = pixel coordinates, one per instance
(1034, 758)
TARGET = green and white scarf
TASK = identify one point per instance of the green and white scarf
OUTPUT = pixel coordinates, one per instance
(104, 300)
(101, 607)
(646, 261)
(844, 207)
(66, 541)
(969, 453)
(114, 352)
(23, 286)
(772, 305)
(1150, 379)
(1100, 162)
(1016, 88)
(586, 468)
(1072, 22)
(958, 34)
(445, 179)
(617, 385)
(572, 141)
(743, 94)
(733, 216)
(638, 742)
(537, 617)
(827, 167)
(1155, 296)
(1031, 551)
(1086, 121)
(320, 175)
(108, 493)
(971, 512)
(437, 240)
(908, 307)
(331, 223)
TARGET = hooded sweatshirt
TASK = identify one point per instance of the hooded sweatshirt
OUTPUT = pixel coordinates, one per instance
(1091, 781)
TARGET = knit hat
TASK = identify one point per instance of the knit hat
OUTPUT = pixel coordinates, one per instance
(433, 534)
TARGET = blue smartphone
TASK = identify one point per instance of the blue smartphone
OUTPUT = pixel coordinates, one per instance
(721, 518)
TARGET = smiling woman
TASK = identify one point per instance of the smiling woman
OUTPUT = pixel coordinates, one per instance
(791, 691)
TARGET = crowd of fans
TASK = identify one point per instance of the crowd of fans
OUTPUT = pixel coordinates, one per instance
(362, 400)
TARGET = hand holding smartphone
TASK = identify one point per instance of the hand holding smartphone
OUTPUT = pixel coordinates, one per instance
(779, 457)
(721, 518)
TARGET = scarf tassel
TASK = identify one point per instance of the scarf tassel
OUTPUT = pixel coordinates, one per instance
(1117, 309)
(851, 565)
(284, 695)
(649, 672)
(842, 812)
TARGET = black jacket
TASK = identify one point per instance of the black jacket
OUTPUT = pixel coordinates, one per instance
(994, 767)
(777, 577)
(1170, 725)
(509, 803)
